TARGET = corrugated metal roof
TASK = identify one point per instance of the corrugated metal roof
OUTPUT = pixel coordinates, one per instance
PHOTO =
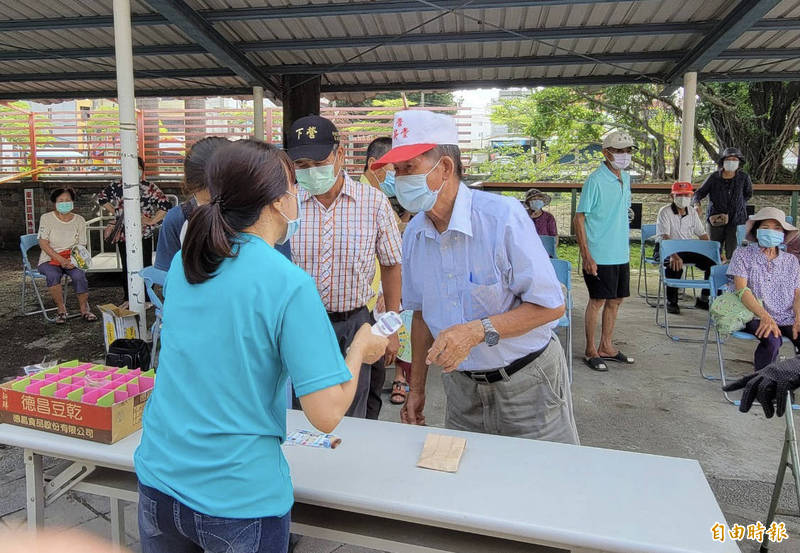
(70, 44)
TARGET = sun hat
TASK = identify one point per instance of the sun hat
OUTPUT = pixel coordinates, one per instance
(536, 193)
(764, 214)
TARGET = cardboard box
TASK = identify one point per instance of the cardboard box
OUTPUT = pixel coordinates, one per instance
(97, 423)
(118, 323)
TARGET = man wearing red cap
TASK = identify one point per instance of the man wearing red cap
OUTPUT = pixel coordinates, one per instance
(484, 294)
(677, 221)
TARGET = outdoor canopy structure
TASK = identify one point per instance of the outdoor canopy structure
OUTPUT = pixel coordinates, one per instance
(293, 51)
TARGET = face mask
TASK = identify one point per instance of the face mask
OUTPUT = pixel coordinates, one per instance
(387, 186)
(683, 201)
(413, 192)
(64, 207)
(768, 238)
(621, 161)
(730, 165)
(316, 180)
(536, 205)
(293, 224)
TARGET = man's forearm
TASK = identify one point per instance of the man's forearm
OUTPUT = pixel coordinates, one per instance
(524, 318)
(421, 342)
(391, 281)
(580, 235)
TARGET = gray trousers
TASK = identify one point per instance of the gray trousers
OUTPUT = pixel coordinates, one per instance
(535, 402)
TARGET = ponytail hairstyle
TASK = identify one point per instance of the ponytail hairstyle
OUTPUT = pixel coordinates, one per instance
(243, 178)
(194, 164)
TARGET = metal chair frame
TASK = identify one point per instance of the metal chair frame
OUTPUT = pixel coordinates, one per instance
(26, 243)
(707, 248)
(153, 276)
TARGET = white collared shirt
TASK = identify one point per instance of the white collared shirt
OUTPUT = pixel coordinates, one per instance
(677, 226)
(488, 261)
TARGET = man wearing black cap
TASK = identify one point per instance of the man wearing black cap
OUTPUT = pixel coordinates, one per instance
(728, 190)
(345, 226)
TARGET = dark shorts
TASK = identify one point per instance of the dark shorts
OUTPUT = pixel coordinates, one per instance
(612, 282)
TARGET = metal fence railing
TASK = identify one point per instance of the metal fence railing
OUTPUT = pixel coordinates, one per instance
(85, 142)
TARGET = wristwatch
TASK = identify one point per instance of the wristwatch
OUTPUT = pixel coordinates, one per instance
(490, 335)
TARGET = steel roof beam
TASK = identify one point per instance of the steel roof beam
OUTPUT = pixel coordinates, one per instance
(430, 85)
(545, 61)
(284, 12)
(740, 19)
(201, 31)
(374, 40)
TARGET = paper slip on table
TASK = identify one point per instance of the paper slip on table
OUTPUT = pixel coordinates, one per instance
(509, 495)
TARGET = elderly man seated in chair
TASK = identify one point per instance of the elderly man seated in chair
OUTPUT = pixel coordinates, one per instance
(678, 221)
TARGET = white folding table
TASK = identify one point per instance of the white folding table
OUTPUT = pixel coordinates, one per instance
(510, 495)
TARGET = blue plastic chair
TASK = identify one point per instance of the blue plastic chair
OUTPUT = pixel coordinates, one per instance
(790, 219)
(151, 277)
(26, 243)
(708, 248)
(648, 235)
(549, 243)
(719, 283)
(740, 232)
(563, 270)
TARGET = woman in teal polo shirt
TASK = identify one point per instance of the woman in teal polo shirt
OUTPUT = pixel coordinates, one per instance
(239, 320)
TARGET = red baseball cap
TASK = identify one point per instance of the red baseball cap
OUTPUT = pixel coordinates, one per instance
(682, 188)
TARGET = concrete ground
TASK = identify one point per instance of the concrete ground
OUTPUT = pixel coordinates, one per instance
(660, 405)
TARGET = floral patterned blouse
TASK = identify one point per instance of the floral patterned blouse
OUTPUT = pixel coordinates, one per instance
(773, 282)
(151, 199)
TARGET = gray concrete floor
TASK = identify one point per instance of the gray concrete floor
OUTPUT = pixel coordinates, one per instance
(660, 405)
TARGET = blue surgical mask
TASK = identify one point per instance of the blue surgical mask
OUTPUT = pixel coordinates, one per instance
(64, 207)
(536, 205)
(768, 238)
(387, 186)
(413, 192)
(316, 180)
(293, 224)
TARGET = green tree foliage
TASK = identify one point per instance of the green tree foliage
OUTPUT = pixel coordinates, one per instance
(761, 119)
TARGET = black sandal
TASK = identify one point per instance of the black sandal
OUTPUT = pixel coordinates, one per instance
(620, 358)
(596, 363)
(399, 389)
(61, 318)
(89, 317)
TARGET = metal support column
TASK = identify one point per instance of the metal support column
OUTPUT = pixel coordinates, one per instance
(258, 112)
(687, 127)
(123, 51)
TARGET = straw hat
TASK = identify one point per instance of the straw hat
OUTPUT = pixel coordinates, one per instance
(765, 213)
(536, 193)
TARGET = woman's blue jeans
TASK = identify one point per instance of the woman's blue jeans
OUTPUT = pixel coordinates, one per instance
(168, 526)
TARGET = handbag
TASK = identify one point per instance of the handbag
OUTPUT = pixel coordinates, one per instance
(718, 220)
(729, 313)
(131, 353)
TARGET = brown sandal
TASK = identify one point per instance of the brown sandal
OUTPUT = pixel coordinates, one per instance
(61, 318)
(399, 390)
(89, 317)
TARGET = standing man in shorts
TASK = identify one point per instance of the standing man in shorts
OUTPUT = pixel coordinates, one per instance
(602, 228)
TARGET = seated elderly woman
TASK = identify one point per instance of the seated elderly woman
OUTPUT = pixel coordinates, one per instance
(772, 279)
(61, 230)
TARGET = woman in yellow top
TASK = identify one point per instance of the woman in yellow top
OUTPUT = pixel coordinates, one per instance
(59, 231)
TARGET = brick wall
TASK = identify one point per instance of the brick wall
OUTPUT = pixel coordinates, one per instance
(12, 204)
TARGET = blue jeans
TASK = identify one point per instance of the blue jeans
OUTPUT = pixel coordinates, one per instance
(168, 526)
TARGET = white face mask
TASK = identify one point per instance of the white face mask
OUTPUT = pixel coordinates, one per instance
(730, 165)
(683, 201)
(621, 161)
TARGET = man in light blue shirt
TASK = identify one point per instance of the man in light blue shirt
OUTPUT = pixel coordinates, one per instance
(602, 227)
(484, 294)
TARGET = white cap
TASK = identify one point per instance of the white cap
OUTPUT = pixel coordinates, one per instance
(417, 131)
(619, 140)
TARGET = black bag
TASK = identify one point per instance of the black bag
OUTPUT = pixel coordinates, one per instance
(134, 354)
